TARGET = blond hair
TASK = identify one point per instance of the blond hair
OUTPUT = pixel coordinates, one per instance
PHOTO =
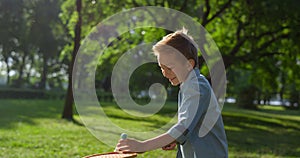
(180, 41)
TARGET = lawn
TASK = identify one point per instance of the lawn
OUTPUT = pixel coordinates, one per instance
(33, 128)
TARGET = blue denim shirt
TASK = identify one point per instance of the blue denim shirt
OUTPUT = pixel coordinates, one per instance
(195, 101)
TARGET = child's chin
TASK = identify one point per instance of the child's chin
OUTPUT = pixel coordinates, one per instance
(175, 84)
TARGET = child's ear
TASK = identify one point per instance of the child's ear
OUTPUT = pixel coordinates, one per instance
(191, 64)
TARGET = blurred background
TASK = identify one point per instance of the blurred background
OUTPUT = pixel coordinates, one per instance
(259, 41)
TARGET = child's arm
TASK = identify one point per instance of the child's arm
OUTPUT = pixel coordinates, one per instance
(133, 145)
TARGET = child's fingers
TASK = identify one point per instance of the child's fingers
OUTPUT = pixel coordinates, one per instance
(169, 147)
(120, 146)
(123, 149)
(165, 148)
(124, 145)
(129, 145)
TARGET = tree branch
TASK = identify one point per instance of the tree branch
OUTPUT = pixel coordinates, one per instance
(236, 48)
(267, 54)
(183, 6)
(238, 30)
(135, 4)
(223, 8)
(206, 13)
(148, 3)
(271, 32)
(250, 57)
(266, 44)
(241, 26)
(241, 41)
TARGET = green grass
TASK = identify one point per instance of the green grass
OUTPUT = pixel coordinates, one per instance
(33, 128)
(268, 132)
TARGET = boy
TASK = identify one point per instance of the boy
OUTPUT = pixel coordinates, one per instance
(177, 56)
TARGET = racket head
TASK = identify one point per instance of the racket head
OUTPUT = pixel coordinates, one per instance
(113, 155)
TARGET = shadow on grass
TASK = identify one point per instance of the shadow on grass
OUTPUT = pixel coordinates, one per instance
(14, 111)
(278, 110)
(152, 121)
(261, 133)
(266, 131)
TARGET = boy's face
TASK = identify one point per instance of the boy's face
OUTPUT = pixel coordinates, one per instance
(174, 69)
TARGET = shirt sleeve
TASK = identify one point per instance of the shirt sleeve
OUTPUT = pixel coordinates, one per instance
(193, 105)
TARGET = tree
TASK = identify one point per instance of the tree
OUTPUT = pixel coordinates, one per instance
(257, 35)
(45, 18)
(27, 28)
(10, 20)
(68, 108)
(248, 38)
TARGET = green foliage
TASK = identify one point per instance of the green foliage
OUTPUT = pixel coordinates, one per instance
(140, 80)
(259, 37)
(34, 38)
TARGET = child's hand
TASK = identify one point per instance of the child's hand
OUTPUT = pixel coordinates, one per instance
(130, 145)
(170, 146)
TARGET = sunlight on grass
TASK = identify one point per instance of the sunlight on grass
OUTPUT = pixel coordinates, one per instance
(276, 108)
(258, 127)
(33, 128)
(232, 128)
(122, 119)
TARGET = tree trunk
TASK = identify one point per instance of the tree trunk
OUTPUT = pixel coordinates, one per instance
(282, 88)
(30, 63)
(7, 71)
(68, 108)
(246, 97)
(5, 56)
(43, 81)
(20, 80)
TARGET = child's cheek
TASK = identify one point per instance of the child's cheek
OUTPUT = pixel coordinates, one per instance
(181, 75)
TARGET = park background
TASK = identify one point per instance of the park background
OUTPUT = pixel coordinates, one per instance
(258, 39)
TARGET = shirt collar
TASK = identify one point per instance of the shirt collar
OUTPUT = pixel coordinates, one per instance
(192, 74)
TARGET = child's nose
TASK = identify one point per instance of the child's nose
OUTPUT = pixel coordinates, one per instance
(164, 73)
